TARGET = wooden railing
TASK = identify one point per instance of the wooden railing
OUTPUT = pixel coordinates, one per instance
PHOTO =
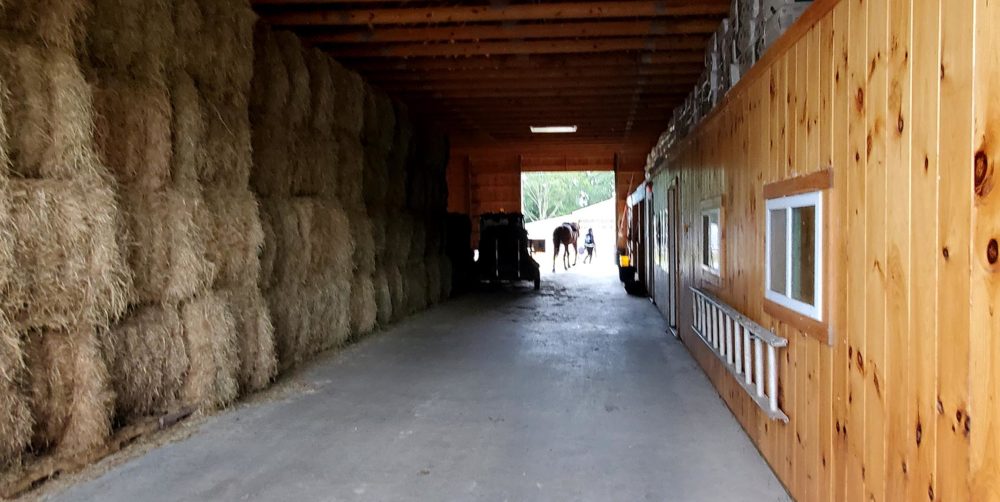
(740, 344)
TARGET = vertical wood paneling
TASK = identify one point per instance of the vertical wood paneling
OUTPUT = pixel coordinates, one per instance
(897, 328)
(922, 360)
(985, 344)
(901, 98)
(857, 69)
(954, 189)
(875, 243)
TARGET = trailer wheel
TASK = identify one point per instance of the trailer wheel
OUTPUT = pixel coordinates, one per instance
(538, 280)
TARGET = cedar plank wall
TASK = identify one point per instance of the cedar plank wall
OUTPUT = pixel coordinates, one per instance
(902, 99)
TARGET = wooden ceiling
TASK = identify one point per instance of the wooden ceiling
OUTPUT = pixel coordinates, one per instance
(487, 70)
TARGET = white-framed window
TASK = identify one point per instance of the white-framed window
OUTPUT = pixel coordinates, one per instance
(794, 253)
(711, 239)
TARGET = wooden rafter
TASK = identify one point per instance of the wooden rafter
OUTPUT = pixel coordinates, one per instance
(320, 14)
(657, 27)
(465, 49)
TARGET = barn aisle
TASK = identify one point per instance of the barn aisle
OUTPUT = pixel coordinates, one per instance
(573, 393)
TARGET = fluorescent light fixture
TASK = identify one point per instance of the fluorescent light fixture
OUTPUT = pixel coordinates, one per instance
(553, 129)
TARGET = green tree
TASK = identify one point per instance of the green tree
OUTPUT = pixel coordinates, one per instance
(551, 194)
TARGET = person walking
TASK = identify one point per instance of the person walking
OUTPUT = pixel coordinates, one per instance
(589, 245)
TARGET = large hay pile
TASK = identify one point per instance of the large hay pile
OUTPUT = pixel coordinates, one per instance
(189, 202)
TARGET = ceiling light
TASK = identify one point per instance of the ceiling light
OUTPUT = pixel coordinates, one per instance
(553, 129)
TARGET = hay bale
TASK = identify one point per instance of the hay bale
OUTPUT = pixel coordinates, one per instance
(383, 297)
(396, 162)
(379, 231)
(147, 361)
(375, 178)
(254, 338)
(229, 141)
(270, 86)
(132, 37)
(290, 316)
(415, 284)
(235, 237)
(69, 267)
(50, 23)
(210, 341)
(331, 314)
(323, 110)
(332, 242)
(350, 170)
(289, 251)
(6, 233)
(15, 416)
(216, 40)
(315, 165)
(399, 239)
(49, 113)
(349, 99)
(189, 156)
(269, 249)
(364, 306)
(274, 158)
(71, 400)
(296, 110)
(418, 239)
(433, 280)
(167, 245)
(379, 122)
(397, 288)
(433, 235)
(364, 243)
(132, 131)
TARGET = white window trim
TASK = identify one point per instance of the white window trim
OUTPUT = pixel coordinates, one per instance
(717, 210)
(788, 204)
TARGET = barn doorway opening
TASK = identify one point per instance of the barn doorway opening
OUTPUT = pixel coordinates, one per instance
(587, 198)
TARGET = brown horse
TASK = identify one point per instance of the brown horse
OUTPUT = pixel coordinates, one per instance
(565, 234)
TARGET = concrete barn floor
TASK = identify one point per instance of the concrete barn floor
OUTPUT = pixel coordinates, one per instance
(572, 393)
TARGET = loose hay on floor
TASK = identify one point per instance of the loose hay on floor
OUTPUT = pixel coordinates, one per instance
(132, 130)
(210, 340)
(15, 416)
(235, 237)
(167, 247)
(147, 361)
(71, 400)
(69, 268)
(254, 338)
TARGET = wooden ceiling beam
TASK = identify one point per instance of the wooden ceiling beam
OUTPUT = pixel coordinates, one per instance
(319, 12)
(670, 82)
(685, 69)
(523, 61)
(466, 49)
(524, 93)
(639, 28)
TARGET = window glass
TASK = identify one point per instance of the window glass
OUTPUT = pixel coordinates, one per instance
(711, 246)
(778, 255)
(804, 254)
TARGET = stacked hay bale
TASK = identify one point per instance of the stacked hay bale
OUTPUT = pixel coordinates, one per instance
(378, 140)
(62, 267)
(174, 130)
(298, 119)
(428, 280)
(392, 299)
